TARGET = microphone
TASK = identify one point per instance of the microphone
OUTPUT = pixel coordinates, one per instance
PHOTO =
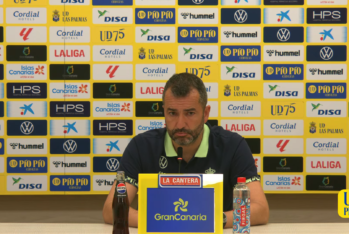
(179, 157)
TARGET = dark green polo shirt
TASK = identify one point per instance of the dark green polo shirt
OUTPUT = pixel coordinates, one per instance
(220, 151)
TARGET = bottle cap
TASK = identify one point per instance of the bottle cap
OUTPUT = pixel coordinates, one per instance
(241, 180)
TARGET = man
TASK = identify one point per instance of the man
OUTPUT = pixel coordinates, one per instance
(206, 149)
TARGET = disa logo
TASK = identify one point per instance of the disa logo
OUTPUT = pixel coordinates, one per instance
(183, 207)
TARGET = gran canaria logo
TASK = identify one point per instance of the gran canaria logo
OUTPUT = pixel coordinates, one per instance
(182, 205)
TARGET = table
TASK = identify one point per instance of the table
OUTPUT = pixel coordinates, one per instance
(83, 228)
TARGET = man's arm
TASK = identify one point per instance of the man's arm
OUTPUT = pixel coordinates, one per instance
(259, 210)
(108, 209)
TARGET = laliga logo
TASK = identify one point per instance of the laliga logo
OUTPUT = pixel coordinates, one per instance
(181, 204)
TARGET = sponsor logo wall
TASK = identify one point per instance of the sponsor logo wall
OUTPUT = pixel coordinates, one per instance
(79, 79)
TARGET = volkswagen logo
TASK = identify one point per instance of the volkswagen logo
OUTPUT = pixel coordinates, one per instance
(112, 164)
(70, 146)
(163, 163)
(326, 53)
(198, 1)
(283, 34)
(240, 16)
(27, 127)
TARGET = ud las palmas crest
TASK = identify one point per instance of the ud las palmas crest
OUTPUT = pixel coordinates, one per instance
(312, 128)
(227, 90)
(142, 53)
(56, 16)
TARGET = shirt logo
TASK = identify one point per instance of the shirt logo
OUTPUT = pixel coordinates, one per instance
(70, 146)
(210, 171)
(163, 163)
(326, 53)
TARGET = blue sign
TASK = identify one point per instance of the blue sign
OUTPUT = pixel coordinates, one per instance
(155, 16)
(326, 90)
(180, 210)
(106, 164)
(240, 53)
(2, 146)
(1, 71)
(283, 72)
(283, 34)
(70, 146)
(66, 183)
(112, 2)
(26, 127)
(198, 34)
(1, 109)
(240, 16)
(198, 2)
(327, 53)
(27, 165)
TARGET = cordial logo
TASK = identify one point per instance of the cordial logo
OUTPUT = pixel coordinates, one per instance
(154, 71)
(112, 53)
(70, 34)
(26, 15)
(283, 127)
(241, 109)
(326, 146)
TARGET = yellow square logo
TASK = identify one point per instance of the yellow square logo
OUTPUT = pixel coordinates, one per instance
(343, 203)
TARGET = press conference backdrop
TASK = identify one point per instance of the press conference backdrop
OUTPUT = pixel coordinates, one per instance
(80, 78)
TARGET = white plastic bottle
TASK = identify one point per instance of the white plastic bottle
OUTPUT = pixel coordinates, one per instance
(241, 206)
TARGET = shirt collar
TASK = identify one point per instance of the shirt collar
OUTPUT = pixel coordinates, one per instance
(200, 153)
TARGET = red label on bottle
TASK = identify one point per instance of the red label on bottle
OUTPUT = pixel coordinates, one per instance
(243, 216)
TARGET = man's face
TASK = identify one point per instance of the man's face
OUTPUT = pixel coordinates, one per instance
(184, 117)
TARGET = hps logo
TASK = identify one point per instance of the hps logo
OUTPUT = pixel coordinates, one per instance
(181, 204)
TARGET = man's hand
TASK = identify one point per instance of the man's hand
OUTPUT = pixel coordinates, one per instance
(259, 209)
(108, 209)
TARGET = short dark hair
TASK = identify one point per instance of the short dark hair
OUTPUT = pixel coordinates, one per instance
(181, 84)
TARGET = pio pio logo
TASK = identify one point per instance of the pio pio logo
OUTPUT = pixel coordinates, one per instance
(343, 203)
